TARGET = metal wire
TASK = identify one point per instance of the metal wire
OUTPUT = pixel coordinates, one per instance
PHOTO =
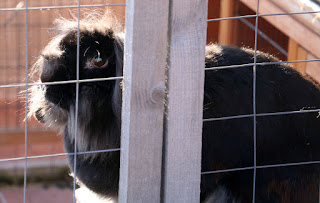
(254, 115)
(263, 15)
(264, 36)
(254, 106)
(26, 106)
(78, 81)
(60, 7)
(260, 64)
(121, 77)
(76, 108)
(261, 115)
(60, 154)
(261, 167)
(63, 82)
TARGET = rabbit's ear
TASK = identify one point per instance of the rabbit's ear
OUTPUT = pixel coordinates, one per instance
(118, 50)
(117, 94)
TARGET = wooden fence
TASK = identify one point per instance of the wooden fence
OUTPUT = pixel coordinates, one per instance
(163, 100)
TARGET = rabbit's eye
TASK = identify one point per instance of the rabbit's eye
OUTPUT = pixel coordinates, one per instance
(98, 62)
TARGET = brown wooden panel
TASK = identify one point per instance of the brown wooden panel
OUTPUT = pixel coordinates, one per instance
(312, 68)
(296, 52)
(245, 35)
(296, 30)
(34, 137)
(227, 27)
(213, 27)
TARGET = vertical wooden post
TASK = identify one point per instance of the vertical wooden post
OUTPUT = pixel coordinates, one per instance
(183, 121)
(296, 52)
(292, 50)
(312, 68)
(143, 100)
(213, 27)
(226, 27)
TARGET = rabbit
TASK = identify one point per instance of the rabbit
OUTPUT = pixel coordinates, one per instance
(227, 143)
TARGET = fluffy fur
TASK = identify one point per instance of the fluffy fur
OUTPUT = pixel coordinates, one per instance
(226, 143)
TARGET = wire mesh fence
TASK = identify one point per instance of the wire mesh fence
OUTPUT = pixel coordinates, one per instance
(25, 30)
(30, 150)
(247, 15)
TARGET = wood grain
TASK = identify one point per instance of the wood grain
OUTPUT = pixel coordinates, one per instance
(296, 52)
(226, 27)
(312, 68)
(143, 100)
(302, 34)
(308, 20)
(183, 121)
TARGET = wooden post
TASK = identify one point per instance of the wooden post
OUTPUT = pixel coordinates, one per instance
(226, 27)
(183, 121)
(213, 27)
(143, 100)
(312, 69)
(296, 52)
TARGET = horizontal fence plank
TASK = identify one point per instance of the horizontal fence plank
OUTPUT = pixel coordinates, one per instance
(34, 137)
(288, 24)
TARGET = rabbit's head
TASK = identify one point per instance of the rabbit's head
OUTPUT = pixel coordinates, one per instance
(94, 112)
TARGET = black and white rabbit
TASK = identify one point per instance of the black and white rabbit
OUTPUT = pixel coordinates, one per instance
(227, 143)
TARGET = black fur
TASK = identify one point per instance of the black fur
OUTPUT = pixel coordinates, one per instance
(280, 139)
(226, 144)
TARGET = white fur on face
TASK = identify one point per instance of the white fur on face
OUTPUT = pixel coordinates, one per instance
(221, 195)
(53, 116)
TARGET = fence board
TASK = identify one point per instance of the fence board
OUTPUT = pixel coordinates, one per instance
(143, 100)
(296, 52)
(226, 27)
(183, 122)
(312, 68)
(308, 39)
